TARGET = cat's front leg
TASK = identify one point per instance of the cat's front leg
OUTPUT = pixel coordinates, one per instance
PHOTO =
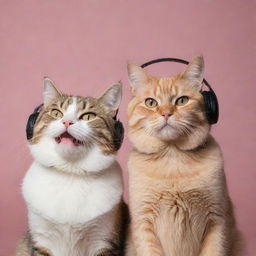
(214, 242)
(144, 238)
(223, 240)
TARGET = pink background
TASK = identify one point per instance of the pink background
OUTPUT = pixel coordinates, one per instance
(83, 45)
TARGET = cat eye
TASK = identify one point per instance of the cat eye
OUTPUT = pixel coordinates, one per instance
(88, 116)
(56, 113)
(181, 101)
(151, 103)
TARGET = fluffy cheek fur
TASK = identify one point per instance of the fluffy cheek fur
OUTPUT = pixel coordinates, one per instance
(80, 159)
(141, 140)
(186, 127)
(193, 129)
(80, 130)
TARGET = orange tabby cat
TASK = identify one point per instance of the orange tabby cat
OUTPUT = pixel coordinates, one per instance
(179, 201)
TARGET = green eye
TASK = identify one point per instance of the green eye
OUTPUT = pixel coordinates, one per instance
(56, 113)
(181, 101)
(151, 103)
(88, 116)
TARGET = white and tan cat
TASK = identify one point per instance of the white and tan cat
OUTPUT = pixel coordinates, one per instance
(179, 202)
(73, 189)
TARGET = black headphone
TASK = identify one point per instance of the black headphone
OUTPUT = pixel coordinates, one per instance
(210, 98)
(118, 127)
(31, 122)
(118, 133)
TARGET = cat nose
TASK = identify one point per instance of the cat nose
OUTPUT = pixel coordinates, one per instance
(67, 123)
(166, 115)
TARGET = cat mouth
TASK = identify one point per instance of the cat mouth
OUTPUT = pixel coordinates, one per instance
(66, 138)
(166, 125)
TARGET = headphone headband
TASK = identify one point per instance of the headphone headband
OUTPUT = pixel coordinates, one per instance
(173, 60)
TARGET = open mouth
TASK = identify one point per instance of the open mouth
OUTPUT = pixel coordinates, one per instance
(66, 138)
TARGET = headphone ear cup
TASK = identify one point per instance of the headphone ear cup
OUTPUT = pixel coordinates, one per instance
(118, 134)
(211, 106)
(30, 125)
(31, 122)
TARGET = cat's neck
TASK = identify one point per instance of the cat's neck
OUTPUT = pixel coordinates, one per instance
(174, 149)
(150, 144)
(172, 162)
(76, 172)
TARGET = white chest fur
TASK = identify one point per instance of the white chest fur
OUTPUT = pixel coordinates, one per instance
(71, 199)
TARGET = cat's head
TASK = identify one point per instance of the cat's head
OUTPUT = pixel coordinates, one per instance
(73, 133)
(166, 111)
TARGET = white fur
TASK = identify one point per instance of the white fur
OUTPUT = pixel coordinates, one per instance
(67, 186)
(61, 204)
(71, 199)
(64, 239)
(71, 112)
(92, 160)
(68, 158)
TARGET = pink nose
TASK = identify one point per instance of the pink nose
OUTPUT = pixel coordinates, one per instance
(67, 123)
(166, 115)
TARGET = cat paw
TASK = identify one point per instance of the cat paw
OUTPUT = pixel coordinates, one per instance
(40, 251)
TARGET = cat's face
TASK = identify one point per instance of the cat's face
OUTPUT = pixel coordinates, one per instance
(167, 110)
(75, 131)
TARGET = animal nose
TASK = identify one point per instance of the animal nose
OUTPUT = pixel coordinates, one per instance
(67, 123)
(166, 115)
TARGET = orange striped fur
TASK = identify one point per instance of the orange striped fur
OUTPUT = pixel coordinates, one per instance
(179, 201)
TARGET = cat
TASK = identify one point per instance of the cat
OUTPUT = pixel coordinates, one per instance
(73, 189)
(178, 197)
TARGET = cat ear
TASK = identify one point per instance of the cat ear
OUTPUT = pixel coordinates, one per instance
(137, 75)
(111, 98)
(195, 71)
(50, 91)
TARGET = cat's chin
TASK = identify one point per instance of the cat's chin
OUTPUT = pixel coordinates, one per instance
(70, 151)
(167, 134)
(69, 148)
(70, 159)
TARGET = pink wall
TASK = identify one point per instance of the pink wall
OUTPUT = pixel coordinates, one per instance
(83, 46)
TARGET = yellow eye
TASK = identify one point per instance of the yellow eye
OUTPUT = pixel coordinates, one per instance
(151, 103)
(88, 116)
(56, 114)
(181, 101)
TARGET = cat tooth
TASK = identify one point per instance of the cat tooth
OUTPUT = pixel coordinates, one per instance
(76, 142)
(58, 139)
